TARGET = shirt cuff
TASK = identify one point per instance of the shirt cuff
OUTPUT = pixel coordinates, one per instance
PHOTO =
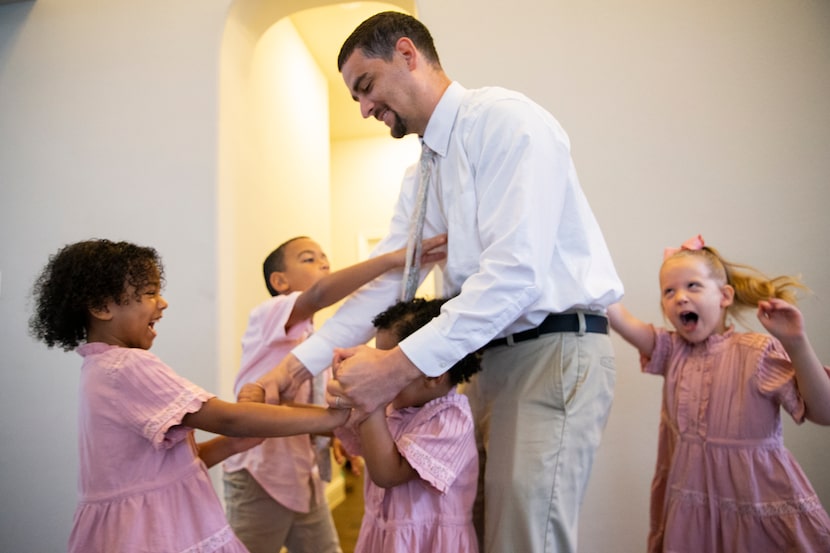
(315, 354)
(430, 351)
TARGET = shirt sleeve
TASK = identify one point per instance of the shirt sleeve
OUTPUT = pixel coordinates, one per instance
(153, 399)
(266, 341)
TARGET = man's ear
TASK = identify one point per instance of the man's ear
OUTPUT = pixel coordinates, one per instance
(101, 313)
(727, 295)
(278, 282)
(406, 48)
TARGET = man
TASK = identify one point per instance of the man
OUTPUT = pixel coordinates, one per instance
(527, 265)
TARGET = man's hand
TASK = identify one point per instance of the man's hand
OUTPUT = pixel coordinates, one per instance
(251, 392)
(366, 378)
(282, 382)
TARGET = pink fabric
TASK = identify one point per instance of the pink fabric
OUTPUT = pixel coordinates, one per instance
(282, 466)
(432, 514)
(142, 487)
(693, 243)
(724, 482)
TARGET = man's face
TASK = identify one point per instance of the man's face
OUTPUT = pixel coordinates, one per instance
(380, 87)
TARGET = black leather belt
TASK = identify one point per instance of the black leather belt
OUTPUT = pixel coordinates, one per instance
(555, 322)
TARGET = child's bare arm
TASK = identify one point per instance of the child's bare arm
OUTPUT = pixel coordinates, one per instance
(784, 321)
(384, 463)
(249, 419)
(634, 331)
(216, 450)
(339, 284)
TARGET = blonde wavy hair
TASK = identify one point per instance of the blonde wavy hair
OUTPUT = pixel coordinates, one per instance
(750, 284)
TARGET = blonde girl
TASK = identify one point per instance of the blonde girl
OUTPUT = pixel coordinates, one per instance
(724, 482)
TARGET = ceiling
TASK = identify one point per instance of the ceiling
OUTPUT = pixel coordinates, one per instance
(324, 30)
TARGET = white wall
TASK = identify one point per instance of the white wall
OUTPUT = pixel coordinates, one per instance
(702, 117)
(108, 129)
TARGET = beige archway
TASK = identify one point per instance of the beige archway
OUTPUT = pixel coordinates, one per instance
(275, 142)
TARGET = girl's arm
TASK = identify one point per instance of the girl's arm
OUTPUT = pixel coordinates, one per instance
(248, 419)
(337, 285)
(218, 449)
(633, 330)
(784, 321)
(384, 463)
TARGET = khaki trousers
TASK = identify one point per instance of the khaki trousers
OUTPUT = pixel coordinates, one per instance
(540, 407)
(265, 526)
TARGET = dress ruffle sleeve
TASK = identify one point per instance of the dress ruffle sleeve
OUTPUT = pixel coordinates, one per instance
(437, 441)
(776, 379)
(661, 355)
(153, 399)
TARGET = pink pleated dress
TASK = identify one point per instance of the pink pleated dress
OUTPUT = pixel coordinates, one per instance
(724, 482)
(142, 487)
(432, 514)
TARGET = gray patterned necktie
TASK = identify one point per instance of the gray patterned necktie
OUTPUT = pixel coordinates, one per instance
(412, 268)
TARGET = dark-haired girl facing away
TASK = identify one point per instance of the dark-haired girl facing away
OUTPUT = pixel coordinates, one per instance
(143, 480)
(420, 452)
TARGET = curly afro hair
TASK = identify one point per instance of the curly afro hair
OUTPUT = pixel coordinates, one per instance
(405, 317)
(83, 276)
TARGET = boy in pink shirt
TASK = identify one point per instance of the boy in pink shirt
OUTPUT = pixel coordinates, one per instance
(274, 492)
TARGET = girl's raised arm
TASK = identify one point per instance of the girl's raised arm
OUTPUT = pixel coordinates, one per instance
(784, 321)
(634, 331)
(339, 284)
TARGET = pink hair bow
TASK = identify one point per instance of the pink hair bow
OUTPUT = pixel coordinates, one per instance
(693, 243)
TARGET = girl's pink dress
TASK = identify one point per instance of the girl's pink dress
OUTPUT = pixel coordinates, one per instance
(142, 487)
(724, 481)
(432, 514)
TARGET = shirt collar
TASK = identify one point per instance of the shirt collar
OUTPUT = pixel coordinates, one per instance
(439, 127)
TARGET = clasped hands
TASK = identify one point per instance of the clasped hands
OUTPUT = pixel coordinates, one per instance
(364, 380)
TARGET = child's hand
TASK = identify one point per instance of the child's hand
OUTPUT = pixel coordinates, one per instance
(251, 392)
(430, 252)
(341, 456)
(781, 319)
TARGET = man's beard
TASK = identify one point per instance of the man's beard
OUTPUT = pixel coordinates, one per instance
(398, 130)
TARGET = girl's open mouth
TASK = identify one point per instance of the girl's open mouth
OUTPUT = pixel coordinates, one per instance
(688, 319)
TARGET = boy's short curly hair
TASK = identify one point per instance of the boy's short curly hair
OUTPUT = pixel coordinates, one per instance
(405, 317)
(83, 276)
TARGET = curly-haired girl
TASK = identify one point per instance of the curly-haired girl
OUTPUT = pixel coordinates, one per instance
(143, 480)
